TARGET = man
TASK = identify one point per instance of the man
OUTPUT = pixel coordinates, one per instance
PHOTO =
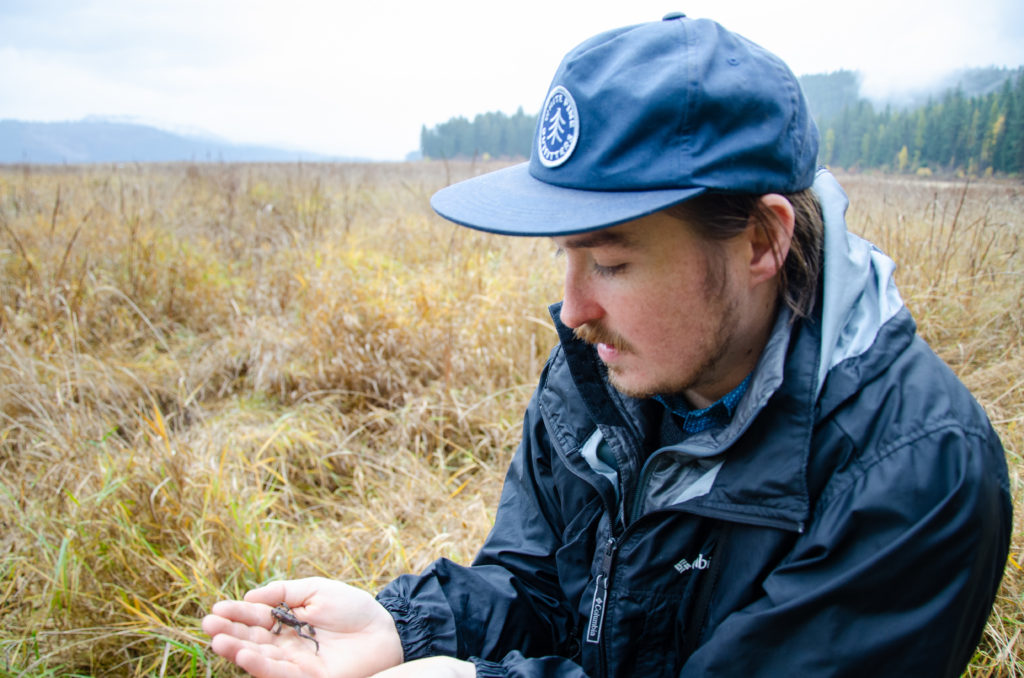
(739, 461)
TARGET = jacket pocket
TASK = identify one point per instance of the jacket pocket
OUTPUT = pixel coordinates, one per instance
(662, 586)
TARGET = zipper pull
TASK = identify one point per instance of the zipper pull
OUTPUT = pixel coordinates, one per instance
(600, 594)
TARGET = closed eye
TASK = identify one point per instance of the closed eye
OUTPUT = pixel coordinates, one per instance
(608, 271)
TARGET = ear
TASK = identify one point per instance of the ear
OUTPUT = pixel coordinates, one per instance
(770, 240)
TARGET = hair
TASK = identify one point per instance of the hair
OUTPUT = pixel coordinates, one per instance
(721, 216)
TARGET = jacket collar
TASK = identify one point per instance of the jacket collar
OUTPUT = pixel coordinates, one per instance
(763, 481)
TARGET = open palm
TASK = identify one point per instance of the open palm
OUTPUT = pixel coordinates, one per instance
(356, 635)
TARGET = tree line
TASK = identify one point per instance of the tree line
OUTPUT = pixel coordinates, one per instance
(494, 135)
(975, 135)
(954, 133)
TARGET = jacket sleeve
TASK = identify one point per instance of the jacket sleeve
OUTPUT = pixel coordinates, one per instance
(895, 575)
(509, 600)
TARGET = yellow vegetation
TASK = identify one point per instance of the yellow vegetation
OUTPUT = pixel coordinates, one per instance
(216, 375)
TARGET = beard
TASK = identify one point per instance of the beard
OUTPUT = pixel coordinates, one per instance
(710, 348)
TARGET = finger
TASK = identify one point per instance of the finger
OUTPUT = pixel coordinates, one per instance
(293, 592)
(213, 624)
(227, 645)
(262, 661)
(271, 594)
(251, 614)
(239, 637)
(270, 662)
(216, 626)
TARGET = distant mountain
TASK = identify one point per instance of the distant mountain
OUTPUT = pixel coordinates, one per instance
(98, 141)
(829, 93)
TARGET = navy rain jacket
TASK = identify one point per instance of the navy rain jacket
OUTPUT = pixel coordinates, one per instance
(852, 520)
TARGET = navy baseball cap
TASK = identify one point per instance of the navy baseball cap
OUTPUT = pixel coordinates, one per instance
(643, 117)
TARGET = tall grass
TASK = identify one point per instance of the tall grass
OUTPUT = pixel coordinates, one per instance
(961, 272)
(212, 376)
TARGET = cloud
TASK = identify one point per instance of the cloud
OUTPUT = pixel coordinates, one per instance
(361, 78)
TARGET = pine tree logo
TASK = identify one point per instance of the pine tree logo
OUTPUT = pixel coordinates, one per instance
(559, 128)
(556, 127)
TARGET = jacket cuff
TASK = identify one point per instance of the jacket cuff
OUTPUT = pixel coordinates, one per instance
(412, 628)
(486, 669)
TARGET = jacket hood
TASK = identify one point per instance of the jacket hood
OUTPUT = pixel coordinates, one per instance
(859, 294)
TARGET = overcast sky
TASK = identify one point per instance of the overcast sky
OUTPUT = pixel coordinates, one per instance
(359, 77)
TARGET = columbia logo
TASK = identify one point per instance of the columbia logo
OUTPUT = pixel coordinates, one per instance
(698, 563)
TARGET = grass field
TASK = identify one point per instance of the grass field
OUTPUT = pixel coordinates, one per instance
(216, 375)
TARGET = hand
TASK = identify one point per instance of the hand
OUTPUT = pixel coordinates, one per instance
(357, 635)
(432, 667)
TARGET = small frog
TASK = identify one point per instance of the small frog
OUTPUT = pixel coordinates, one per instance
(282, 615)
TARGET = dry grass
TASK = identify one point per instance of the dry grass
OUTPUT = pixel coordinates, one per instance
(961, 272)
(212, 376)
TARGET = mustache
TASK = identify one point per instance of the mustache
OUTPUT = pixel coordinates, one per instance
(594, 333)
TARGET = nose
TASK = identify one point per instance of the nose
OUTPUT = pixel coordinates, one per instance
(579, 304)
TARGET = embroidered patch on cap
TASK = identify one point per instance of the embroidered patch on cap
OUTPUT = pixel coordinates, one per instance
(559, 128)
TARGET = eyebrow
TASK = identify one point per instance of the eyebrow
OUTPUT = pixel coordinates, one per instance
(602, 238)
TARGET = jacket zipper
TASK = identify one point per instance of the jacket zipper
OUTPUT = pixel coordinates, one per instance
(598, 607)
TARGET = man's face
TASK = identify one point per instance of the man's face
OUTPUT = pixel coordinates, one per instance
(668, 311)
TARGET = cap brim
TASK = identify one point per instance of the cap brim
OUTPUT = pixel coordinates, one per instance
(511, 201)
